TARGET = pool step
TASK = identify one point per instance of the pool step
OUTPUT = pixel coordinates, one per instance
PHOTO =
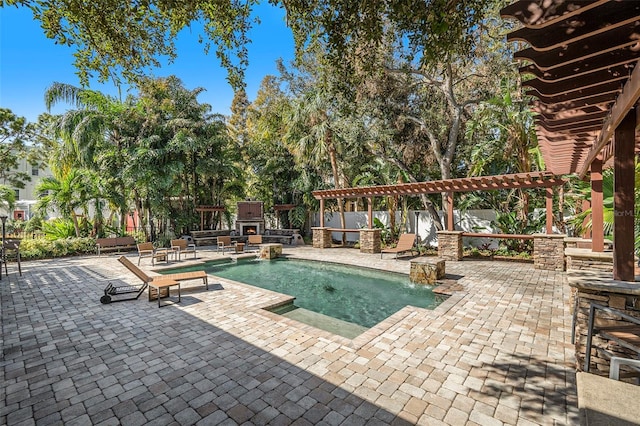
(323, 322)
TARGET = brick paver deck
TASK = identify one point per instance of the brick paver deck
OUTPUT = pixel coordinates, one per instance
(497, 352)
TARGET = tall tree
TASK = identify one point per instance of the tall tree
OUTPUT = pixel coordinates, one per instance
(7, 197)
(18, 140)
(273, 169)
(506, 141)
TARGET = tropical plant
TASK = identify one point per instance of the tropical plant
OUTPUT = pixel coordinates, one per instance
(581, 222)
(506, 143)
(56, 229)
(510, 223)
(297, 217)
(385, 232)
(66, 193)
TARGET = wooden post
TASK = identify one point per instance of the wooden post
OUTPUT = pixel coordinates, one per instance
(321, 212)
(549, 206)
(623, 198)
(370, 212)
(450, 226)
(597, 222)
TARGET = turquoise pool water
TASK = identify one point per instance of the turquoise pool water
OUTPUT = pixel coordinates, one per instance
(356, 295)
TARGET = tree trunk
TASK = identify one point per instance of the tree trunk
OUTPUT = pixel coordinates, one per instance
(76, 226)
(336, 181)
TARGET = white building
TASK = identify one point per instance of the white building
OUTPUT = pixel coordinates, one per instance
(26, 197)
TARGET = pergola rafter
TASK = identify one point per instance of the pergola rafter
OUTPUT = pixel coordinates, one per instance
(482, 183)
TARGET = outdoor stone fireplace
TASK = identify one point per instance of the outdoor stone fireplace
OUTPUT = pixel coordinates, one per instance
(250, 220)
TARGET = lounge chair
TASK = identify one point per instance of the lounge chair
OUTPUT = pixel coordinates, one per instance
(405, 244)
(149, 280)
(182, 246)
(148, 250)
(224, 242)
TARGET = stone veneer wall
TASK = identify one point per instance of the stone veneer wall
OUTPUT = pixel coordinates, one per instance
(585, 259)
(321, 237)
(426, 270)
(548, 252)
(450, 245)
(370, 240)
(600, 288)
(270, 251)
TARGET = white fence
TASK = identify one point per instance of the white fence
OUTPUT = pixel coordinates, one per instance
(471, 221)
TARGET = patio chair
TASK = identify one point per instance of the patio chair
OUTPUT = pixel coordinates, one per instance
(149, 280)
(224, 242)
(254, 240)
(405, 244)
(182, 246)
(11, 248)
(148, 250)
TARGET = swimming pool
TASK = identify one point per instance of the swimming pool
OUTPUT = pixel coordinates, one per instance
(355, 295)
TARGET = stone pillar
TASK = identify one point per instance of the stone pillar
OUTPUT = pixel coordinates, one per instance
(600, 288)
(270, 251)
(321, 237)
(450, 245)
(548, 252)
(370, 240)
(426, 271)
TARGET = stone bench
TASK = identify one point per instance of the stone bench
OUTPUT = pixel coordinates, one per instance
(585, 259)
(427, 270)
(209, 237)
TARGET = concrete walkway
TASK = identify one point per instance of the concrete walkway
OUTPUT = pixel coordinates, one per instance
(497, 352)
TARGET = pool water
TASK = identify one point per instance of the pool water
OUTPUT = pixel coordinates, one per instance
(348, 293)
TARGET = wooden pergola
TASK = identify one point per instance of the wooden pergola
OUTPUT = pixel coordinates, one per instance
(448, 186)
(202, 209)
(282, 208)
(581, 70)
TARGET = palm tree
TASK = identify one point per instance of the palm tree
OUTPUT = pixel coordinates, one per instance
(66, 193)
(507, 141)
(312, 139)
(91, 135)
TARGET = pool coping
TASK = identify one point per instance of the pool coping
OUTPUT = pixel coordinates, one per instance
(361, 340)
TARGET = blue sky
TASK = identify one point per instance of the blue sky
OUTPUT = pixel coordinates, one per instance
(29, 62)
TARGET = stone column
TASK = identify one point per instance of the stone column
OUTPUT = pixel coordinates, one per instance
(270, 251)
(450, 245)
(548, 252)
(426, 270)
(321, 237)
(597, 287)
(370, 240)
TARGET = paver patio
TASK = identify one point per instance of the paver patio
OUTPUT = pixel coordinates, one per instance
(497, 352)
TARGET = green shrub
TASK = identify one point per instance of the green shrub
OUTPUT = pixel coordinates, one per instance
(41, 248)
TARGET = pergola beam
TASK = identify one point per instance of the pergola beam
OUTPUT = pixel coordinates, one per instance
(627, 99)
(482, 183)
